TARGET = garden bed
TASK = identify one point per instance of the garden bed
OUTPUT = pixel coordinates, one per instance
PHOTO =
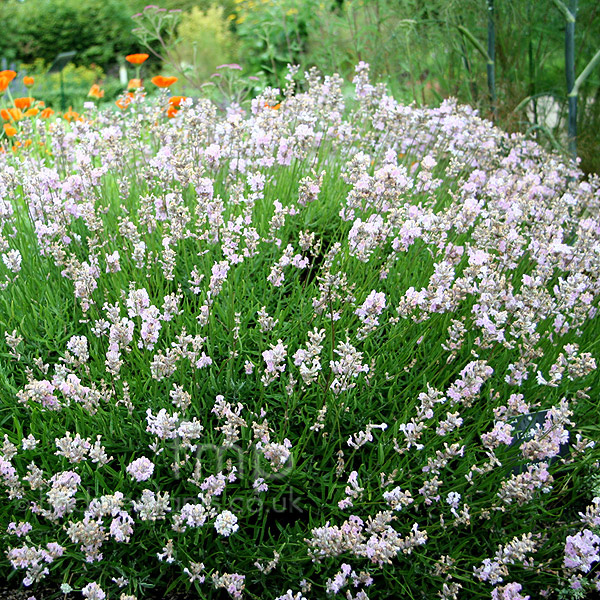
(315, 346)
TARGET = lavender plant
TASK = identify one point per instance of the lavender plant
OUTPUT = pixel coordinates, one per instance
(326, 347)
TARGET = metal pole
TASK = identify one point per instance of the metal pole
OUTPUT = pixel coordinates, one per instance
(63, 100)
(570, 74)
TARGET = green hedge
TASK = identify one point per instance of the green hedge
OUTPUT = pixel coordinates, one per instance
(98, 30)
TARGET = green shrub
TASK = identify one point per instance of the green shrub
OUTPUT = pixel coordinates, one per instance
(98, 30)
(273, 33)
(205, 41)
(77, 81)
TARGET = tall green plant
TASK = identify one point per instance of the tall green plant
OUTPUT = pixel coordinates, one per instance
(491, 63)
(205, 41)
(573, 85)
(571, 17)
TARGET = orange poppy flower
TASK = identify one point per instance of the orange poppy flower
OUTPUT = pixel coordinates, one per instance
(96, 91)
(11, 114)
(27, 143)
(137, 59)
(23, 103)
(125, 101)
(134, 84)
(176, 100)
(71, 115)
(46, 113)
(32, 112)
(8, 73)
(4, 81)
(28, 81)
(172, 111)
(9, 130)
(164, 82)
(276, 107)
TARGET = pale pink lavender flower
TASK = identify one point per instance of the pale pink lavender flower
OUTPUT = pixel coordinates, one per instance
(151, 326)
(92, 591)
(61, 494)
(75, 449)
(277, 454)
(347, 368)
(78, 346)
(353, 491)
(362, 437)
(29, 443)
(582, 550)
(163, 425)
(203, 361)
(23, 528)
(226, 523)
(137, 301)
(152, 507)
(214, 485)
(372, 306)
(34, 560)
(191, 515)
(193, 572)
(275, 362)
(141, 469)
(500, 434)
(259, 485)
(233, 583)
(167, 555)
(591, 516)
(510, 591)
(369, 312)
(112, 262)
(121, 527)
(398, 499)
(289, 595)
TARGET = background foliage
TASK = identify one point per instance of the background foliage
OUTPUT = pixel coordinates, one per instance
(98, 30)
(415, 45)
(205, 40)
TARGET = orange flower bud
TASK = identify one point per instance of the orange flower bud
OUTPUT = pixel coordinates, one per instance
(96, 91)
(28, 81)
(136, 59)
(9, 130)
(9, 74)
(176, 100)
(125, 101)
(23, 103)
(46, 113)
(164, 82)
(71, 115)
(11, 114)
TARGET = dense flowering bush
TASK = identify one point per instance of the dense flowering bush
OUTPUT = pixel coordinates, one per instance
(321, 347)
